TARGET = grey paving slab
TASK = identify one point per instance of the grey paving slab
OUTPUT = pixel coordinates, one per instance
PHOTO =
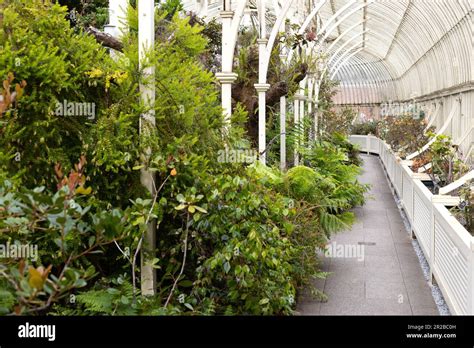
(389, 290)
(386, 307)
(359, 212)
(342, 306)
(343, 287)
(349, 274)
(308, 308)
(378, 273)
(349, 238)
(389, 262)
(404, 249)
(412, 274)
(425, 311)
(387, 249)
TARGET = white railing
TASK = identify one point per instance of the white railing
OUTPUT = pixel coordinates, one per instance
(446, 244)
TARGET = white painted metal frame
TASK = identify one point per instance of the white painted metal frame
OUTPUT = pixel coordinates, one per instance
(390, 63)
(146, 42)
(437, 57)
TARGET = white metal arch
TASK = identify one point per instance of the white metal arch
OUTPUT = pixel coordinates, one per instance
(408, 47)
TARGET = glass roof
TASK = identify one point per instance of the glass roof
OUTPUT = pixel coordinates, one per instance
(390, 49)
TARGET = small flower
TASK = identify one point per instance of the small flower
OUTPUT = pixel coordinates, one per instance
(173, 172)
(95, 73)
(311, 36)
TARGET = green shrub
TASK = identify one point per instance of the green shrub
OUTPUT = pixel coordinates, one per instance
(447, 163)
(307, 184)
(40, 48)
(249, 269)
(404, 134)
(464, 212)
(69, 233)
(340, 121)
(365, 128)
(352, 151)
(332, 162)
(230, 239)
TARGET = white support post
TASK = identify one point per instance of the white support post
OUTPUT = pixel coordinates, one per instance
(262, 89)
(203, 8)
(301, 117)
(117, 20)
(302, 106)
(117, 16)
(310, 101)
(230, 27)
(296, 111)
(301, 109)
(262, 86)
(146, 41)
(316, 108)
(227, 77)
(226, 80)
(283, 133)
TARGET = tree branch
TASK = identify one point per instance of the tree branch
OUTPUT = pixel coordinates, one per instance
(105, 39)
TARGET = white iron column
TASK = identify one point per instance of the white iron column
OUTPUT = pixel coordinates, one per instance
(310, 102)
(117, 20)
(283, 118)
(301, 121)
(117, 16)
(283, 133)
(296, 114)
(316, 107)
(262, 89)
(227, 77)
(301, 116)
(203, 8)
(226, 80)
(262, 86)
(146, 42)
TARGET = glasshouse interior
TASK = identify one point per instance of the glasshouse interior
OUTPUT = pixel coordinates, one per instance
(236, 157)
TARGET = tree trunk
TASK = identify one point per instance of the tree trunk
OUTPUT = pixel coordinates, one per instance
(243, 92)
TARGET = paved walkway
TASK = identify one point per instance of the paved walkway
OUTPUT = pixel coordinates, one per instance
(385, 277)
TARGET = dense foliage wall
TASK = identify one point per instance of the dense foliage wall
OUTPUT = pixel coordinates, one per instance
(232, 238)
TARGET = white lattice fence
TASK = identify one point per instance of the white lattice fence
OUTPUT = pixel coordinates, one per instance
(407, 196)
(452, 262)
(361, 141)
(398, 178)
(422, 217)
(447, 245)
